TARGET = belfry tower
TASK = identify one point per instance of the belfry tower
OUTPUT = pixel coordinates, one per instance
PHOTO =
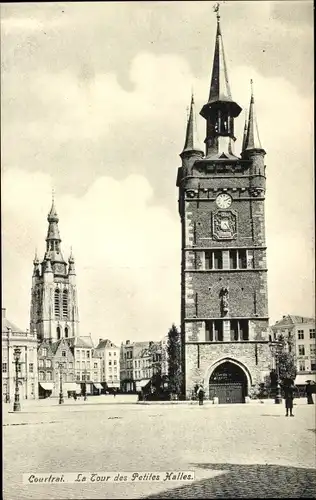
(224, 308)
(54, 306)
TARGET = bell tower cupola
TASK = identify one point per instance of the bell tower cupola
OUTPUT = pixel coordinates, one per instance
(220, 109)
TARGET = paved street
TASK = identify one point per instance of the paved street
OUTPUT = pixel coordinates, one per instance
(250, 451)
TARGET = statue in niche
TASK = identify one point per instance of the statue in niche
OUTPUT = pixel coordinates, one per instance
(224, 295)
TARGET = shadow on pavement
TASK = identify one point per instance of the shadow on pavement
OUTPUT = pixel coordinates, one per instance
(248, 481)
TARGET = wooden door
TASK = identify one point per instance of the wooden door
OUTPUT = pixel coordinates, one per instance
(227, 392)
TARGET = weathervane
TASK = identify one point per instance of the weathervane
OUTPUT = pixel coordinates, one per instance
(216, 9)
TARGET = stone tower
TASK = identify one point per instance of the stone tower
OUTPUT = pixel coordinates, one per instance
(54, 306)
(224, 308)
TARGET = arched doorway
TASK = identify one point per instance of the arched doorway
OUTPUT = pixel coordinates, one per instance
(228, 382)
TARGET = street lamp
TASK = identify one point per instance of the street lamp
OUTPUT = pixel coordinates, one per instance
(85, 385)
(274, 349)
(16, 355)
(61, 396)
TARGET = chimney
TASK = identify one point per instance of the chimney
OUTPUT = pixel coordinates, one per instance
(127, 342)
(302, 320)
(3, 313)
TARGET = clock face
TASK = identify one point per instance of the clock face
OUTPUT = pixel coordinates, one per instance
(223, 200)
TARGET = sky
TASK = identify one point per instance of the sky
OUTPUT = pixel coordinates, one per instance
(94, 101)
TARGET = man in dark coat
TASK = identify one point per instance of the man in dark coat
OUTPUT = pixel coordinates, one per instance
(289, 396)
(309, 393)
(200, 393)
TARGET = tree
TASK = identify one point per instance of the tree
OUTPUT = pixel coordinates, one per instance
(285, 360)
(174, 360)
(286, 366)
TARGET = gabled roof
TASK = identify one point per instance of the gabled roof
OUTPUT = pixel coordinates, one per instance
(48, 345)
(55, 345)
(106, 344)
(291, 320)
(81, 342)
(6, 324)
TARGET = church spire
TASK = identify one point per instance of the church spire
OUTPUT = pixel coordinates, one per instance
(252, 141)
(53, 239)
(220, 109)
(191, 144)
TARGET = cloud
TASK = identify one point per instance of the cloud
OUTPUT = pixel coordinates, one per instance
(126, 249)
(111, 150)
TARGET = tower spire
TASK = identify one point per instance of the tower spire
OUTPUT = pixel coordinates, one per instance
(252, 140)
(220, 109)
(245, 132)
(53, 239)
(191, 141)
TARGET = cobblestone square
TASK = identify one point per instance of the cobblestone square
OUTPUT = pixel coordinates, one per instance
(250, 451)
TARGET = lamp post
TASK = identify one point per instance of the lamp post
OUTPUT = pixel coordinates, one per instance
(85, 385)
(275, 346)
(61, 396)
(16, 404)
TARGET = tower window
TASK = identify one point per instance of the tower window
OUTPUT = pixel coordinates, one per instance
(208, 260)
(218, 259)
(239, 330)
(57, 303)
(214, 331)
(233, 259)
(244, 329)
(58, 332)
(242, 259)
(66, 332)
(65, 303)
(234, 330)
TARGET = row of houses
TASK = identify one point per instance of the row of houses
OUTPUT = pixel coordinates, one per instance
(76, 364)
(82, 367)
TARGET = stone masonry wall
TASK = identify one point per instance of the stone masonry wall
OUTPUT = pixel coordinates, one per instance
(254, 358)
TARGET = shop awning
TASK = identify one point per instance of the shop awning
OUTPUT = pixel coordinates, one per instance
(302, 379)
(70, 386)
(98, 386)
(143, 383)
(47, 386)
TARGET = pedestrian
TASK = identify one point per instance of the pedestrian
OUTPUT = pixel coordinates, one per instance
(289, 396)
(200, 393)
(75, 396)
(309, 393)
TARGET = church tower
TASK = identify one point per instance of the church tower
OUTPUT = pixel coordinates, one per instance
(54, 306)
(224, 308)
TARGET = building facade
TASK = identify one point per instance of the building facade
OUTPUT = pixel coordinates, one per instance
(140, 361)
(224, 307)
(13, 337)
(54, 306)
(110, 364)
(87, 364)
(299, 332)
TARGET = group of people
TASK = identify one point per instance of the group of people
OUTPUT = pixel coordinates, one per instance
(289, 394)
(288, 390)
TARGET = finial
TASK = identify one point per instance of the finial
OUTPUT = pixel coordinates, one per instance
(192, 95)
(251, 87)
(216, 10)
(188, 112)
(53, 195)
